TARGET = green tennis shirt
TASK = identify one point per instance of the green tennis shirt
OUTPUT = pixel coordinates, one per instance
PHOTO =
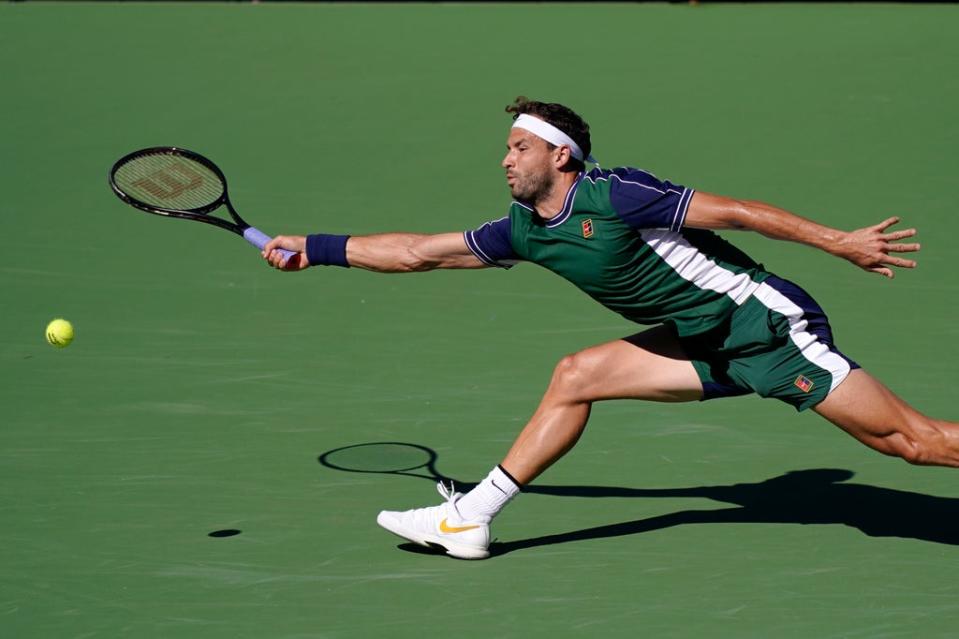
(620, 238)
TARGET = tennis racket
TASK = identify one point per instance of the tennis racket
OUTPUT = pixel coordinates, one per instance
(174, 182)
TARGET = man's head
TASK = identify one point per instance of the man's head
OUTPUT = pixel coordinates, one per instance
(532, 163)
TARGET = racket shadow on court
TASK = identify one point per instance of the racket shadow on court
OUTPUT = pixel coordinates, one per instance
(812, 496)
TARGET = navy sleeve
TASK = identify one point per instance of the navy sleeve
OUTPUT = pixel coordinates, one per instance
(644, 201)
(491, 243)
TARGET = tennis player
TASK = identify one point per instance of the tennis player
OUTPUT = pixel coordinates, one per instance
(645, 248)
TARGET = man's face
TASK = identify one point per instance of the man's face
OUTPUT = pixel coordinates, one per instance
(528, 164)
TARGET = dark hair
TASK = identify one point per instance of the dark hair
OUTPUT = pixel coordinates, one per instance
(562, 117)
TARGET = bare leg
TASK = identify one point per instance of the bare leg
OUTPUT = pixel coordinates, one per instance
(877, 417)
(650, 365)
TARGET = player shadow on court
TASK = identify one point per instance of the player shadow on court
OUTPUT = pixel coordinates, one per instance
(813, 496)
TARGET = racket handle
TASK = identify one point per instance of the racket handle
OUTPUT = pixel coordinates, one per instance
(258, 238)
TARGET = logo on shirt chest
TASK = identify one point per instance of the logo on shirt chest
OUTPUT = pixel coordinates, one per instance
(587, 228)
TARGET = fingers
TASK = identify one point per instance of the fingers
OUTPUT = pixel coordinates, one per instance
(898, 261)
(880, 252)
(278, 259)
(882, 226)
(274, 254)
(902, 248)
(271, 253)
(295, 243)
(898, 235)
(885, 272)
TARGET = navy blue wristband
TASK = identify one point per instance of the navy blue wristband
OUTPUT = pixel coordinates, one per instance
(326, 250)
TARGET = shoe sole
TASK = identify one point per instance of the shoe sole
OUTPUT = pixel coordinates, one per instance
(451, 548)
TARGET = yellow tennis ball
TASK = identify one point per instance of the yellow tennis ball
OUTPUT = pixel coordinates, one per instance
(60, 333)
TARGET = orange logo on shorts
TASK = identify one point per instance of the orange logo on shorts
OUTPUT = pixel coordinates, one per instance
(804, 384)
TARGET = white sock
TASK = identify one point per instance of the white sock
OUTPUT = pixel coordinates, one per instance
(489, 497)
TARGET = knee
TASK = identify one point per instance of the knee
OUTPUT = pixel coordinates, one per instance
(573, 376)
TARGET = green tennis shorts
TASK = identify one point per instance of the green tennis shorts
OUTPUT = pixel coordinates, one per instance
(777, 344)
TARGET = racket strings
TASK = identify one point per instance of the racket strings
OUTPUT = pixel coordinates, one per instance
(169, 181)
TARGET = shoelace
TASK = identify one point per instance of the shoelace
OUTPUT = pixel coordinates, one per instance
(447, 493)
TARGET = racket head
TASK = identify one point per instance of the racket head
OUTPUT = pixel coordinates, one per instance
(174, 182)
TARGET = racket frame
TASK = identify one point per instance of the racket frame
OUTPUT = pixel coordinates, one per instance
(200, 214)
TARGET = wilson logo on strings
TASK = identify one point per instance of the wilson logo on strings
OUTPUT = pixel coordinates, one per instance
(172, 185)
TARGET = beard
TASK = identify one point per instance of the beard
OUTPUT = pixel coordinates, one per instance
(531, 187)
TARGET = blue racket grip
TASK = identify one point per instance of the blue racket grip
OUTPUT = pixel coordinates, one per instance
(258, 238)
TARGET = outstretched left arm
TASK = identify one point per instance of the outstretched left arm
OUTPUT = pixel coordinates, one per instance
(868, 248)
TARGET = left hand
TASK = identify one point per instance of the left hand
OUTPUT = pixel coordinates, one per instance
(869, 248)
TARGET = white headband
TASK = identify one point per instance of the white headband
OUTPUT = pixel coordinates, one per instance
(551, 134)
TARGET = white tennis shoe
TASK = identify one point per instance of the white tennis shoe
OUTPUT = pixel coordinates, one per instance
(440, 527)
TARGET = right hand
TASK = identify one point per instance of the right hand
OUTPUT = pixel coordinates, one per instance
(295, 243)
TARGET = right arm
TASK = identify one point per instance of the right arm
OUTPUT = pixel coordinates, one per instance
(384, 253)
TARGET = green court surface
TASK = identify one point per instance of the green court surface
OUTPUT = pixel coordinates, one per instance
(203, 386)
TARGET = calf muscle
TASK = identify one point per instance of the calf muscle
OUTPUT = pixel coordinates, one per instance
(863, 407)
